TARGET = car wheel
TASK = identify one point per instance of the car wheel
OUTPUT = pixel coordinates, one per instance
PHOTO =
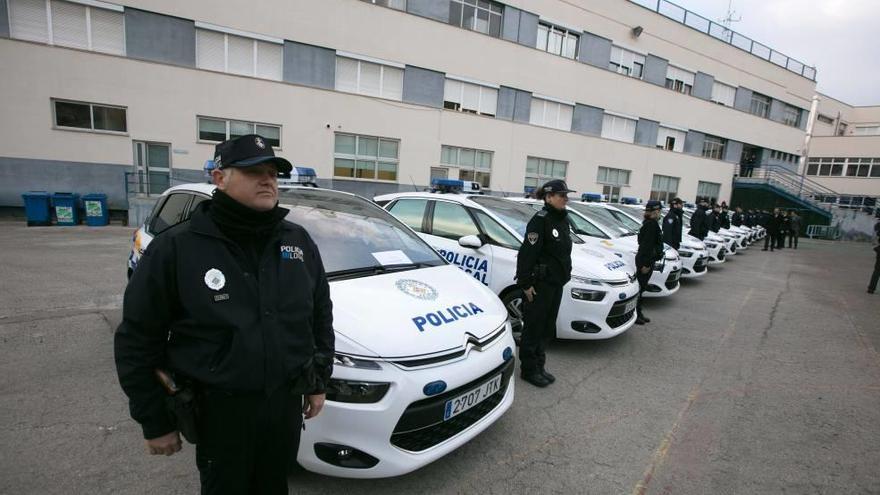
(512, 301)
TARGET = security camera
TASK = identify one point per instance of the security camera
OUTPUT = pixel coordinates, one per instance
(328, 126)
(637, 31)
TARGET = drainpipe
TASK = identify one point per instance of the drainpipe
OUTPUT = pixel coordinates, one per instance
(805, 151)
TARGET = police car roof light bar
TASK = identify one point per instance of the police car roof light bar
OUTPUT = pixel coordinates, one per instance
(299, 176)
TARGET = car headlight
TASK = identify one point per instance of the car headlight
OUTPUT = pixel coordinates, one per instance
(711, 245)
(350, 362)
(686, 254)
(356, 392)
(671, 255)
(587, 294)
(659, 265)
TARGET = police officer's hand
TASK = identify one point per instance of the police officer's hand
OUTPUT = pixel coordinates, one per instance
(165, 445)
(645, 269)
(313, 405)
(530, 293)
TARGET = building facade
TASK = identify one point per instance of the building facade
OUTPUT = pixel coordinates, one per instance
(377, 96)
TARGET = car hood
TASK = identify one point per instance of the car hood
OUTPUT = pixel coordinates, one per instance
(414, 313)
(591, 261)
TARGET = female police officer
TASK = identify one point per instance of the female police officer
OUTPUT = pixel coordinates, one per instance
(650, 251)
(543, 266)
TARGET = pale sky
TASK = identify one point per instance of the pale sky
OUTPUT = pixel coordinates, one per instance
(841, 38)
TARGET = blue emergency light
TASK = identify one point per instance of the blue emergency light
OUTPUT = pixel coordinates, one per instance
(299, 176)
(591, 197)
(454, 185)
(208, 168)
(629, 201)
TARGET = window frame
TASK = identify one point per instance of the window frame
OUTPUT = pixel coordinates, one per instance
(433, 212)
(609, 133)
(712, 146)
(787, 112)
(475, 4)
(358, 90)
(459, 105)
(759, 105)
(617, 173)
(228, 122)
(539, 178)
(478, 172)
(665, 195)
(362, 158)
(712, 97)
(559, 107)
(617, 65)
(679, 85)
(566, 34)
(91, 105)
(255, 51)
(88, 6)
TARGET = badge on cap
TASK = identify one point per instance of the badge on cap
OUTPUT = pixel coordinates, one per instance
(259, 142)
(214, 279)
(532, 237)
(555, 233)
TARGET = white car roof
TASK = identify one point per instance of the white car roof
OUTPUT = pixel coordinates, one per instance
(208, 189)
(463, 199)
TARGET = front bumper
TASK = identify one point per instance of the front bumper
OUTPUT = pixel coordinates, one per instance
(405, 430)
(588, 320)
(665, 283)
(695, 267)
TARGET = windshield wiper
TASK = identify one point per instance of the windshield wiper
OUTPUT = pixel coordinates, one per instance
(366, 271)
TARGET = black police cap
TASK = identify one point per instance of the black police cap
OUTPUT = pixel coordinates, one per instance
(554, 186)
(653, 205)
(247, 151)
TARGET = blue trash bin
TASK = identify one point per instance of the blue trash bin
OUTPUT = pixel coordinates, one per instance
(66, 212)
(95, 205)
(36, 208)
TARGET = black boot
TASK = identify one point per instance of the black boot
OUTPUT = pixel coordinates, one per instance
(641, 319)
(536, 378)
(549, 376)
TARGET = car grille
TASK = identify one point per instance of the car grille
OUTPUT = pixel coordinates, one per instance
(416, 363)
(421, 426)
(700, 265)
(672, 279)
(617, 317)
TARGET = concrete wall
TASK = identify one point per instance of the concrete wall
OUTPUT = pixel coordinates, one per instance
(18, 175)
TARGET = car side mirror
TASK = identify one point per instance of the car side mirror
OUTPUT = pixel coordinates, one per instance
(470, 241)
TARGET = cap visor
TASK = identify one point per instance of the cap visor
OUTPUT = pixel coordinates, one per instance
(281, 164)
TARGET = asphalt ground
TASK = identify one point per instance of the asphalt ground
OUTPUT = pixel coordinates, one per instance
(761, 377)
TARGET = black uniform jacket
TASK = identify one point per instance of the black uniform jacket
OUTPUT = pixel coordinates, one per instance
(193, 307)
(725, 220)
(650, 244)
(672, 228)
(736, 219)
(713, 220)
(545, 254)
(699, 224)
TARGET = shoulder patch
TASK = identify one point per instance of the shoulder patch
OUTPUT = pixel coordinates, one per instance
(542, 213)
(532, 237)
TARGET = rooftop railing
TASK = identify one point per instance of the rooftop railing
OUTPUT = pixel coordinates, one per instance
(725, 34)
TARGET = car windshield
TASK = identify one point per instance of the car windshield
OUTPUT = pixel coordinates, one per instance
(627, 217)
(356, 237)
(603, 218)
(515, 215)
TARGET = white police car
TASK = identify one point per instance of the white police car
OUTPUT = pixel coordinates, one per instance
(719, 246)
(664, 279)
(693, 253)
(482, 235)
(424, 352)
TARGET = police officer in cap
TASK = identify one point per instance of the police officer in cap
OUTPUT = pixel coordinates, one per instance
(672, 223)
(543, 266)
(699, 221)
(243, 330)
(650, 251)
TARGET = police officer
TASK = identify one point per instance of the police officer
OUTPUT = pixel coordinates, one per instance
(650, 251)
(213, 303)
(543, 266)
(875, 276)
(784, 227)
(772, 226)
(737, 218)
(699, 222)
(724, 217)
(713, 217)
(672, 223)
(794, 229)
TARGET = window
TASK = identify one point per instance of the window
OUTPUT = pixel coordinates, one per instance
(875, 170)
(474, 165)
(626, 62)
(410, 211)
(477, 15)
(557, 40)
(498, 235)
(90, 116)
(365, 157)
(723, 94)
(471, 98)
(670, 139)
(370, 79)
(837, 167)
(679, 79)
(452, 221)
(613, 176)
(760, 105)
(551, 114)
(173, 212)
(541, 170)
(824, 119)
(813, 166)
(394, 4)
(841, 129)
(858, 167)
(224, 52)
(664, 188)
(867, 130)
(708, 191)
(618, 128)
(713, 147)
(68, 24)
(216, 130)
(791, 115)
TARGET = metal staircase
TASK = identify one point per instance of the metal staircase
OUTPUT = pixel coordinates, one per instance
(790, 185)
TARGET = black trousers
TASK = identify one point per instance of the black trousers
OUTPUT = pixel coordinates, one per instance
(872, 285)
(247, 442)
(770, 240)
(793, 239)
(780, 241)
(539, 325)
(643, 279)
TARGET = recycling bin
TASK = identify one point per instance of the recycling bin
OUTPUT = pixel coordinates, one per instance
(36, 208)
(66, 212)
(95, 205)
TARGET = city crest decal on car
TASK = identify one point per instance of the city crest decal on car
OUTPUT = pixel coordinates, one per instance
(417, 289)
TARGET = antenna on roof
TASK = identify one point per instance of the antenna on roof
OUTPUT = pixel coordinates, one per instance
(729, 19)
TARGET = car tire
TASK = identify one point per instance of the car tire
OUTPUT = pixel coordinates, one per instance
(512, 301)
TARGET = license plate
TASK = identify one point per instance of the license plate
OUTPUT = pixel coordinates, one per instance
(471, 398)
(630, 306)
(676, 276)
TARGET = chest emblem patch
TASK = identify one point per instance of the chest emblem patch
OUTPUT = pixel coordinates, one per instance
(555, 233)
(214, 279)
(532, 237)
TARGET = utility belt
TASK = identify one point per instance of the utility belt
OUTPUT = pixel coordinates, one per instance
(539, 272)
